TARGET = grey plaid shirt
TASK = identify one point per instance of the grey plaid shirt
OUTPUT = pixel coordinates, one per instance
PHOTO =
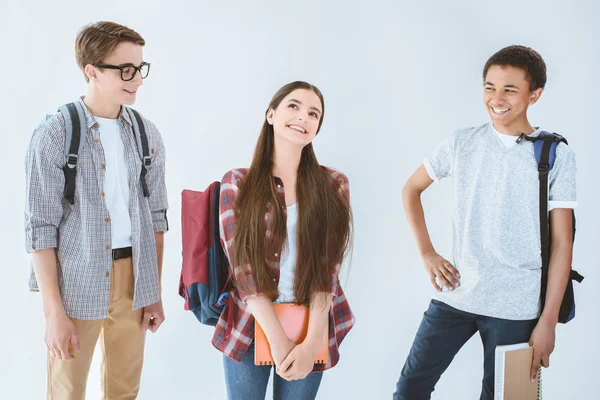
(81, 233)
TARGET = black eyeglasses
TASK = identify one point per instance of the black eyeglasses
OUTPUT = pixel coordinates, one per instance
(128, 71)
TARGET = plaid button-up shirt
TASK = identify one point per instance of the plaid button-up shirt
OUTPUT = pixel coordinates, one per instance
(81, 233)
(234, 332)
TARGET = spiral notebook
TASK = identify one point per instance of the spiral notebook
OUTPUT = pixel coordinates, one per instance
(513, 369)
(294, 321)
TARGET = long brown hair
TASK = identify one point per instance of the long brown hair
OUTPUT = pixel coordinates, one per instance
(324, 216)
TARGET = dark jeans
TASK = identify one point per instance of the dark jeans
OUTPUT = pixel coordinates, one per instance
(246, 381)
(443, 331)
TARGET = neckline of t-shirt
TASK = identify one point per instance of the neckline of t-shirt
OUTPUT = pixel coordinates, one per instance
(101, 120)
(505, 134)
(496, 134)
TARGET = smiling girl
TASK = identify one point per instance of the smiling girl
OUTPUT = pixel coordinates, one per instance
(285, 227)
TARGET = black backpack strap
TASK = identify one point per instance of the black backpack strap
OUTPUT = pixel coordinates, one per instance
(74, 131)
(141, 137)
(543, 170)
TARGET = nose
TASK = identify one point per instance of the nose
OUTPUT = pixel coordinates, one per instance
(303, 116)
(498, 97)
(137, 78)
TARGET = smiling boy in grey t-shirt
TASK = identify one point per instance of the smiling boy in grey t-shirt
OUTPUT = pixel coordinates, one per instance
(493, 284)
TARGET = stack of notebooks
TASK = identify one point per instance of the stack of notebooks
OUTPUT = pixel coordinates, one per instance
(513, 370)
(294, 321)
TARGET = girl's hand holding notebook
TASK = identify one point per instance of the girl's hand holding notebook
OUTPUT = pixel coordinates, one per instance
(294, 322)
(301, 360)
(282, 350)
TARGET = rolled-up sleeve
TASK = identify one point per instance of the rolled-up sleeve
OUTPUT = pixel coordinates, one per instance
(44, 187)
(441, 163)
(563, 177)
(344, 190)
(242, 273)
(155, 179)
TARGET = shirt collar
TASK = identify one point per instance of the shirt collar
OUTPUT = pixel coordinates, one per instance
(91, 121)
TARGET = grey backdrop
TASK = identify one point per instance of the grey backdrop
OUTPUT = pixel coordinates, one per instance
(398, 77)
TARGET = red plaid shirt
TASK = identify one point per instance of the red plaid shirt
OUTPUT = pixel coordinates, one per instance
(234, 332)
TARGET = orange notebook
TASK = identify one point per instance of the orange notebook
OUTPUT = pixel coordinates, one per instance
(294, 321)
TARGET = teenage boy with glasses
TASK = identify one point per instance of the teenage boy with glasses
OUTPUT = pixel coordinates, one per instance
(97, 256)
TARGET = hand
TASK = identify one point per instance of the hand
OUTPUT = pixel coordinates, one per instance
(281, 351)
(61, 337)
(299, 363)
(154, 316)
(542, 339)
(438, 266)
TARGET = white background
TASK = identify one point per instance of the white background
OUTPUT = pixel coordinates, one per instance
(398, 77)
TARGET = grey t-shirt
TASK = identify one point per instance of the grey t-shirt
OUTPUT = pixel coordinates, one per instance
(496, 231)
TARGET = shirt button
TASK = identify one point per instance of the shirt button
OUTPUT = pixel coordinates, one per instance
(107, 220)
(107, 274)
(107, 247)
(28, 229)
(96, 126)
(103, 166)
(97, 140)
(102, 194)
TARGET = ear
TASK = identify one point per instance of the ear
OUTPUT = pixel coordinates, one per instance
(270, 116)
(90, 71)
(535, 96)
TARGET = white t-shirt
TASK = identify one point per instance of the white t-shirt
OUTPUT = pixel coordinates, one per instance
(508, 140)
(116, 182)
(496, 231)
(289, 255)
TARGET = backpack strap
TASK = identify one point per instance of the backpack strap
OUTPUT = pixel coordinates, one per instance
(544, 147)
(74, 131)
(141, 137)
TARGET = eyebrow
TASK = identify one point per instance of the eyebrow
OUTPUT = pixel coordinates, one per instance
(299, 102)
(506, 86)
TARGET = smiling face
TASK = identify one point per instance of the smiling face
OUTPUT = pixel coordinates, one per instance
(296, 119)
(507, 95)
(108, 82)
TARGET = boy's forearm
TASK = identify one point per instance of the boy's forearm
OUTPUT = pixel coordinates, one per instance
(159, 238)
(558, 276)
(46, 273)
(415, 215)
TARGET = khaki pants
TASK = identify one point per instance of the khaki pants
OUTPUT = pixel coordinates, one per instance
(122, 342)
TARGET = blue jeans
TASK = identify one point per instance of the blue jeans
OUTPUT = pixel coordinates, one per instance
(443, 331)
(246, 381)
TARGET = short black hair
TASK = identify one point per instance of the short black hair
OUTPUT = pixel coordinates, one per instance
(524, 58)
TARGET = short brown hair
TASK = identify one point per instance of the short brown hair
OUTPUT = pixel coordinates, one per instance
(95, 41)
(524, 58)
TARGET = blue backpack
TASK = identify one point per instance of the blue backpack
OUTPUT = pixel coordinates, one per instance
(545, 155)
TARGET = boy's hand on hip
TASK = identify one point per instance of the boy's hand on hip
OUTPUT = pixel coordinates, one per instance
(440, 268)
